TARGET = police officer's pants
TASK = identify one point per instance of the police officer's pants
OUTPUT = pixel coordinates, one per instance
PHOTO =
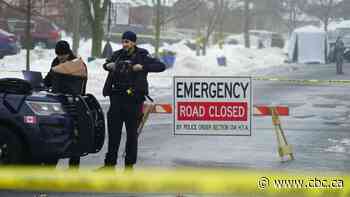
(122, 110)
(339, 63)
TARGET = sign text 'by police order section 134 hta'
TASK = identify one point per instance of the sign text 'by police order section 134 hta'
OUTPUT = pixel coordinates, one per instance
(212, 105)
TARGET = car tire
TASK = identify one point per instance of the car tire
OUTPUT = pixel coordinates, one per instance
(11, 147)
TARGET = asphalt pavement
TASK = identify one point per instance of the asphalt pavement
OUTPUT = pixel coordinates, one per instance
(317, 128)
(319, 121)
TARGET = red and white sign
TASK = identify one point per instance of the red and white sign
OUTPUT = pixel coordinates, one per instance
(212, 105)
(218, 111)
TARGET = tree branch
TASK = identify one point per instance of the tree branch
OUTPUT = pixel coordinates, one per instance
(87, 6)
(212, 21)
(20, 9)
(182, 14)
(104, 7)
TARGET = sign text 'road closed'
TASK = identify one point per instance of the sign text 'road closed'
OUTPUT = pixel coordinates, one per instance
(212, 105)
(216, 111)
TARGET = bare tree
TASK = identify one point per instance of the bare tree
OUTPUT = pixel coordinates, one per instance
(76, 26)
(247, 4)
(163, 17)
(322, 9)
(183, 8)
(96, 11)
(223, 6)
(20, 6)
(214, 13)
(343, 11)
(292, 7)
(266, 14)
(157, 27)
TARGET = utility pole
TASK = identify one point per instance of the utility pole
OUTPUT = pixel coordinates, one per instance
(246, 23)
(28, 34)
(157, 35)
(76, 26)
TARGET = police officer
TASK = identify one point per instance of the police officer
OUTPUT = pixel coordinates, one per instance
(65, 84)
(126, 85)
(339, 54)
(63, 54)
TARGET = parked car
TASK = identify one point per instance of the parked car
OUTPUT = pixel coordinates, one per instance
(8, 44)
(43, 31)
(347, 55)
(270, 39)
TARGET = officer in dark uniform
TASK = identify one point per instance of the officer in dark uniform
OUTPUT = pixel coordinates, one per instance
(339, 54)
(64, 84)
(126, 85)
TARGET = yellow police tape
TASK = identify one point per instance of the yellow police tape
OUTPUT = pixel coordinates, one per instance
(303, 81)
(160, 181)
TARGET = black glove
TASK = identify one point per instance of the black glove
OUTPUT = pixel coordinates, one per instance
(110, 66)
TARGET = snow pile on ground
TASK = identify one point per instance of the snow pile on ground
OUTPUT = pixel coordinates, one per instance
(339, 146)
(239, 60)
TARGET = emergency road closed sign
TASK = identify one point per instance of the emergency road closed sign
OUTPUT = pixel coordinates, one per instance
(212, 105)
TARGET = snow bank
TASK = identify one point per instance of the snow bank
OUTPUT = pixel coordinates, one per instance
(239, 60)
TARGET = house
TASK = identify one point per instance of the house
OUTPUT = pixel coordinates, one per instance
(50, 9)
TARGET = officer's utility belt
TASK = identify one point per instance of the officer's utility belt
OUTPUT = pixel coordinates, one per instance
(123, 90)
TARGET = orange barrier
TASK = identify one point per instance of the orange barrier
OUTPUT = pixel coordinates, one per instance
(266, 110)
(284, 149)
(162, 108)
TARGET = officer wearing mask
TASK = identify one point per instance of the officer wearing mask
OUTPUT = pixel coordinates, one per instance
(64, 84)
(126, 85)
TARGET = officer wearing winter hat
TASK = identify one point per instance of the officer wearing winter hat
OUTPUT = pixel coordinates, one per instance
(126, 85)
(63, 54)
(63, 83)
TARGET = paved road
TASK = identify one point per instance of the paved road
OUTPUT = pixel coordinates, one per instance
(318, 129)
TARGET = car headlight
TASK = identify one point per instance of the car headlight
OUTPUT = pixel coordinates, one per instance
(45, 108)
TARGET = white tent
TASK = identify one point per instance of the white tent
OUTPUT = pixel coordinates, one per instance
(307, 45)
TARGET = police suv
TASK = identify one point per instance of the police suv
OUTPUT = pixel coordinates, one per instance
(42, 127)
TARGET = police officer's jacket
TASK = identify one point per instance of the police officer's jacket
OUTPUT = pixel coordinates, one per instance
(339, 48)
(138, 79)
(65, 83)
